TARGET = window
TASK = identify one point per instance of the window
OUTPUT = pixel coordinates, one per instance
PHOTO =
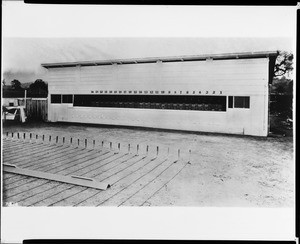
(242, 102)
(177, 102)
(67, 98)
(55, 98)
(238, 102)
(230, 102)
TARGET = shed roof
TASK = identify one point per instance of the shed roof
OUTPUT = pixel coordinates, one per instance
(244, 55)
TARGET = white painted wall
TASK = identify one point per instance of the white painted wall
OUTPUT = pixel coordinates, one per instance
(239, 77)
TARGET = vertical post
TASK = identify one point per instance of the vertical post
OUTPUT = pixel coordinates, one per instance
(63, 140)
(110, 145)
(78, 141)
(49, 138)
(85, 142)
(30, 135)
(43, 137)
(56, 139)
(94, 143)
(7, 134)
(119, 146)
(137, 149)
(129, 147)
(102, 143)
(24, 135)
(157, 149)
(71, 140)
(36, 136)
(25, 97)
(147, 149)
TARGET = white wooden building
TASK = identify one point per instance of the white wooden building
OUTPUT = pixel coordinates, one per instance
(225, 93)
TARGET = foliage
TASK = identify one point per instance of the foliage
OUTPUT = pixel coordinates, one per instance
(16, 85)
(284, 64)
(38, 87)
(282, 86)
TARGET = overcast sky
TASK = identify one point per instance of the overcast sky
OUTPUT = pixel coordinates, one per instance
(33, 34)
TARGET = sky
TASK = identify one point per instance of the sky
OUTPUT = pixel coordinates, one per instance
(35, 34)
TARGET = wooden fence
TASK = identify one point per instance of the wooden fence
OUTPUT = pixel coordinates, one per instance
(37, 109)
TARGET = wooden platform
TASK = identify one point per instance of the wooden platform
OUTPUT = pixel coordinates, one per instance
(134, 178)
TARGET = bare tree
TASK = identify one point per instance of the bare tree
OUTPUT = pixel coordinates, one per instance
(284, 64)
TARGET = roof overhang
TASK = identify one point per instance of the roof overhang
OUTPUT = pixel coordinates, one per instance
(246, 55)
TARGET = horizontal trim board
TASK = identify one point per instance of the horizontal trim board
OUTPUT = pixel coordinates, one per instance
(74, 180)
(245, 55)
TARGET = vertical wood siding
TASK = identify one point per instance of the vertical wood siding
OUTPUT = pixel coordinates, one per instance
(37, 109)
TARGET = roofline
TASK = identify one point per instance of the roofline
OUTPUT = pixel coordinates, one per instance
(244, 55)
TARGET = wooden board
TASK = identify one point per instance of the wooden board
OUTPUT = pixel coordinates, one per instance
(73, 179)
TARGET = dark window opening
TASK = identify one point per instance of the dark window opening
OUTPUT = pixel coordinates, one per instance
(55, 98)
(67, 98)
(242, 102)
(206, 103)
(230, 102)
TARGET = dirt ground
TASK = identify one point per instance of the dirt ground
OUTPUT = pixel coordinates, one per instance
(225, 170)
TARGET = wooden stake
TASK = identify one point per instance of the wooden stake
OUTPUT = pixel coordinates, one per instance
(102, 143)
(157, 149)
(78, 141)
(56, 139)
(36, 136)
(147, 149)
(137, 149)
(110, 145)
(30, 135)
(119, 146)
(24, 135)
(85, 141)
(43, 137)
(49, 138)
(94, 143)
(63, 140)
(71, 140)
(128, 147)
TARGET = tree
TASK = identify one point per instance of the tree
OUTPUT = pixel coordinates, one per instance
(284, 64)
(39, 87)
(16, 85)
(280, 89)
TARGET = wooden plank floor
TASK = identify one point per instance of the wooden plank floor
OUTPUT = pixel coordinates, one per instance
(133, 178)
